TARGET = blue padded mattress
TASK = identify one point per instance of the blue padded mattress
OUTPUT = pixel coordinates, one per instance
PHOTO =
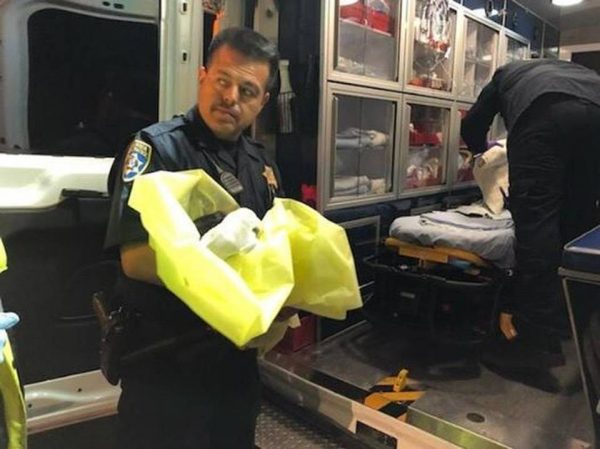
(583, 253)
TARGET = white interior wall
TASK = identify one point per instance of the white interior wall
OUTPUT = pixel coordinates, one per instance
(233, 14)
(567, 51)
(580, 25)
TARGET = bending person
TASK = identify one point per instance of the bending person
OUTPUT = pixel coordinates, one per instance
(551, 110)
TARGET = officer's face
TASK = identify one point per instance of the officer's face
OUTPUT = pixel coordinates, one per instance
(231, 92)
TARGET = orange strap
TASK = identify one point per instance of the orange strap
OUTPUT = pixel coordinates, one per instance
(439, 254)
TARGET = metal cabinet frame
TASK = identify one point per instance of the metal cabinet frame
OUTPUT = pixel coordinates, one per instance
(325, 160)
(455, 147)
(466, 15)
(409, 52)
(506, 34)
(330, 31)
(334, 82)
(405, 134)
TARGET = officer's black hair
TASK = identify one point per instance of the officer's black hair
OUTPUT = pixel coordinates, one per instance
(251, 44)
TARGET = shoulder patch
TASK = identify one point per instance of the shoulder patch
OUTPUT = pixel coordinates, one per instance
(137, 159)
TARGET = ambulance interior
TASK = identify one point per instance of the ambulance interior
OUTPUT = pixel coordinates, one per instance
(79, 77)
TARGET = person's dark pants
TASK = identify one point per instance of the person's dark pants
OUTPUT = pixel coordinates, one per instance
(204, 397)
(553, 153)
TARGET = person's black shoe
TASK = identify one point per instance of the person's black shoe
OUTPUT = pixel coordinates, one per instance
(519, 353)
(523, 362)
(539, 378)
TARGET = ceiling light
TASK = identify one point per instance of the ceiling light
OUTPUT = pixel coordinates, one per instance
(566, 2)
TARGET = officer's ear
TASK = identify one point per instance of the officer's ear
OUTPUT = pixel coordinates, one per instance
(201, 74)
(265, 98)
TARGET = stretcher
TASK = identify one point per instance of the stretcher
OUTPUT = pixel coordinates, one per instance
(442, 293)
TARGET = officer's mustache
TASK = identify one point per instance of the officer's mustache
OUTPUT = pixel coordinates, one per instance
(227, 110)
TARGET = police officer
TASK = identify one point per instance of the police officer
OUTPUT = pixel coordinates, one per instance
(203, 394)
(551, 110)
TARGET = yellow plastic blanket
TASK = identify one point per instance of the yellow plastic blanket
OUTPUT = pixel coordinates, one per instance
(2, 257)
(15, 416)
(325, 277)
(302, 259)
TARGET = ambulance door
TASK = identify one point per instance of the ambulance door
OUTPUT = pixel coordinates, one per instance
(77, 79)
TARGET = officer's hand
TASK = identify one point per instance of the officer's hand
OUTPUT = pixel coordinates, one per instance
(237, 233)
(7, 320)
(286, 313)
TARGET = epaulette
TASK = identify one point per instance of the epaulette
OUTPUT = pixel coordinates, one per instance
(254, 142)
(164, 127)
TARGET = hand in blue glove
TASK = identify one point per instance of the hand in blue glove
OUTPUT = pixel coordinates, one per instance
(7, 320)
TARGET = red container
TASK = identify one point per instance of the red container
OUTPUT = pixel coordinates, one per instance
(309, 195)
(418, 138)
(354, 12)
(379, 21)
(300, 337)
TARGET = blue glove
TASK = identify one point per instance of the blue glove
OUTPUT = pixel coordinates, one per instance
(7, 320)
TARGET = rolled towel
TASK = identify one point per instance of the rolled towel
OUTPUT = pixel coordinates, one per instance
(491, 174)
(350, 182)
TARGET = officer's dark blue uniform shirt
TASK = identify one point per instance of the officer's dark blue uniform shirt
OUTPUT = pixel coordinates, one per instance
(182, 144)
(175, 145)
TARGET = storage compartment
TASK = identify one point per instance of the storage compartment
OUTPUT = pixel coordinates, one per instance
(428, 133)
(515, 50)
(363, 148)
(434, 28)
(480, 47)
(366, 38)
(526, 24)
(299, 337)
(551, 42)
(441, 302)
(464, 158)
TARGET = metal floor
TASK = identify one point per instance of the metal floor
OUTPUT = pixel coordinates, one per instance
(457, 389)
(278, 429)
(464, 403)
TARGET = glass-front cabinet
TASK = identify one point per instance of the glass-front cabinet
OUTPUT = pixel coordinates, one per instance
(516, 50)
(430, 66)
(361, 162)
(551, 42)
(426, 138)
(366, 39)
(486, 9)
(463, 169)
(398, 75)
(526, 24)
(513, 47)
(480, 51)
